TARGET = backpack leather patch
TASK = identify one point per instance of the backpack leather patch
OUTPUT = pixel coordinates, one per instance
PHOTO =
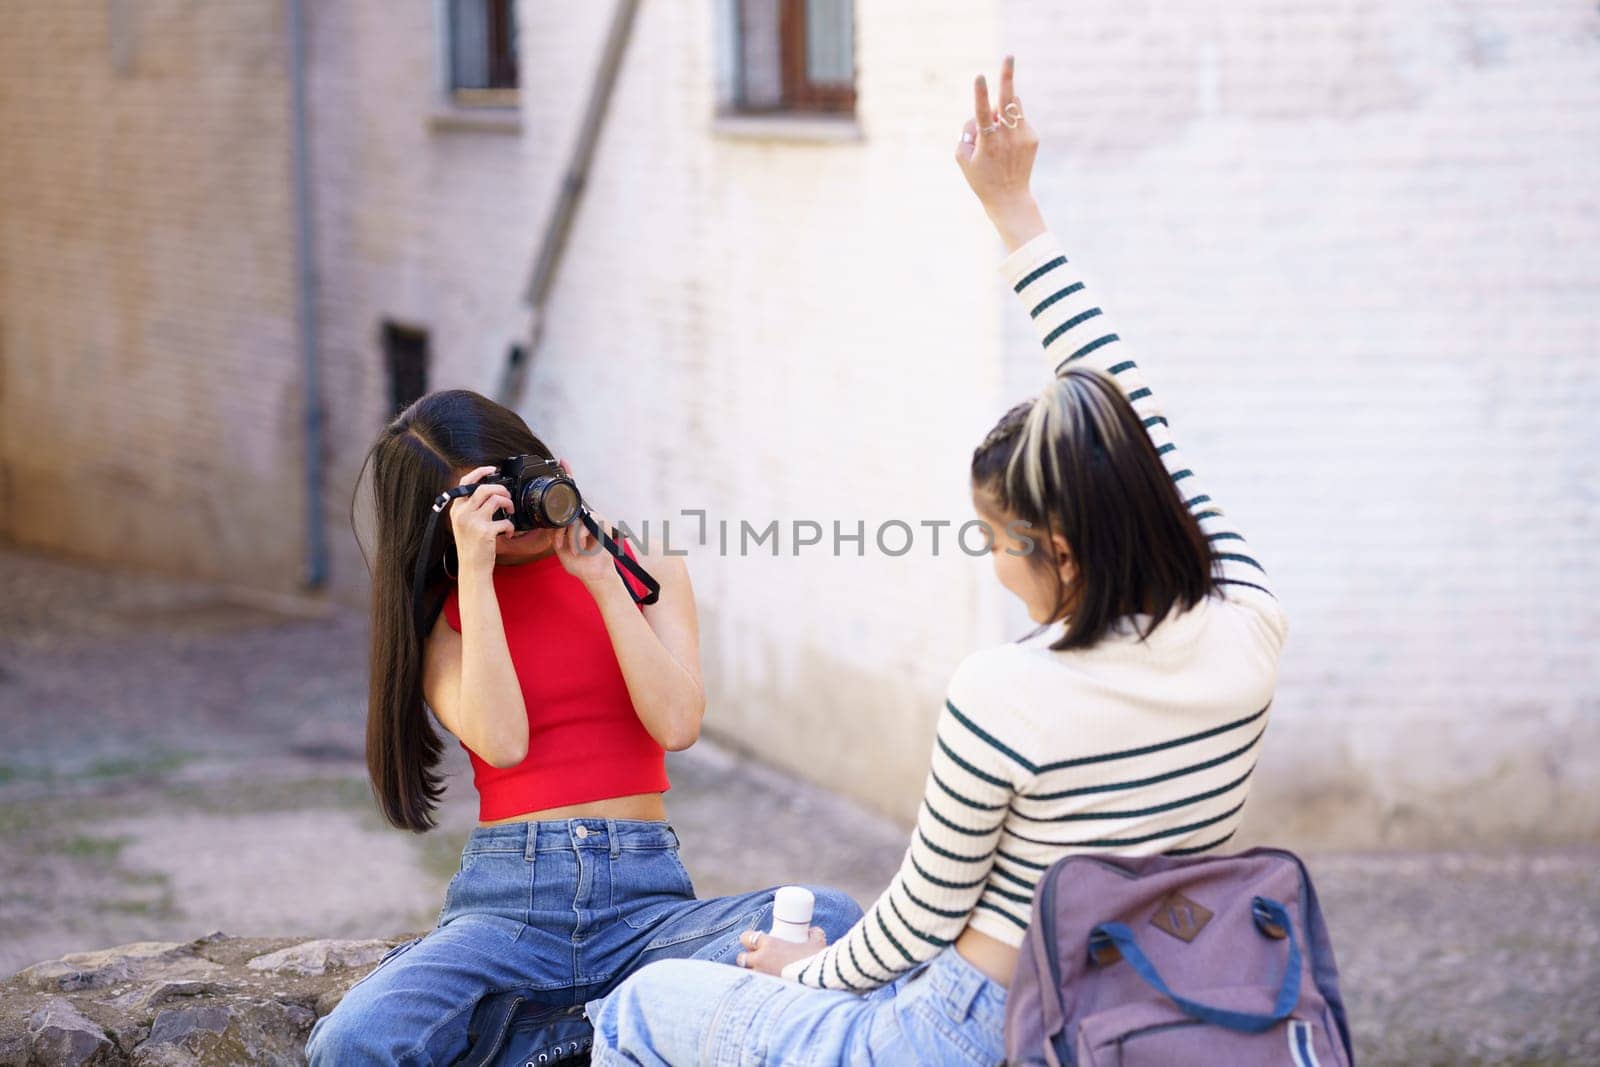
(1180, 917)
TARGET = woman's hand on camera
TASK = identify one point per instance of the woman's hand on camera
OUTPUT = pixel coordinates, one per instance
(996, 153)
(582, 554)
(473, 523)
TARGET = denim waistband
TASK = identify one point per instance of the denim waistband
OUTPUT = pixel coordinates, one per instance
(966, 990)
(546, 835)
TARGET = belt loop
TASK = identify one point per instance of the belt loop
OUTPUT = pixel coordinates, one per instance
(962, 983)
(611, 832)
(530, 841)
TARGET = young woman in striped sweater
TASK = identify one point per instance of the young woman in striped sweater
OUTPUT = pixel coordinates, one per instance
(1129, 724)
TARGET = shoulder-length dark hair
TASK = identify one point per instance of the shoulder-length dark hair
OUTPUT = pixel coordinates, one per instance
(414, 460)
(1076, 461)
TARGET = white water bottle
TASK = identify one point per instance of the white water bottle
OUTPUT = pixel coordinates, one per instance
(791, 914)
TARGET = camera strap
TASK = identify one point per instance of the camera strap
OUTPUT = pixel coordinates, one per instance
(623, 561)
(424, 617)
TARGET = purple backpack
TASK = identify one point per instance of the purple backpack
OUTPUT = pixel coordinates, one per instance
(1148, 960)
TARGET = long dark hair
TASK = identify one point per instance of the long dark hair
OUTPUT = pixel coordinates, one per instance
(1076, 461)
(414, 460)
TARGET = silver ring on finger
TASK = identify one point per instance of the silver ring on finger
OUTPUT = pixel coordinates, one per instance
(993, 126)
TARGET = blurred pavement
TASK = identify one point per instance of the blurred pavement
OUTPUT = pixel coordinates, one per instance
(175, 759)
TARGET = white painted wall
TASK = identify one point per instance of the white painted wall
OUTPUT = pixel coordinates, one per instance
(1354, 243)
(789, 330)
(1357, 243)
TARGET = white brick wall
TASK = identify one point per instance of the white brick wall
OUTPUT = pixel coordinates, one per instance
(791, 331)
(1357, 244)
(1353, 242)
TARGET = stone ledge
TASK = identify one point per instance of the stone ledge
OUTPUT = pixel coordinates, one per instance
(214, 1000)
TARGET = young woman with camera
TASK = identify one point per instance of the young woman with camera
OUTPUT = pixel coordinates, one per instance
(565, 693)
(1128, 724)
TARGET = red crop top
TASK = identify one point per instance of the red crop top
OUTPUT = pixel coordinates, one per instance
(585, 741)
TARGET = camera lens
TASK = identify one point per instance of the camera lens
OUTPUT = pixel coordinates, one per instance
(551, 502)
(560, 503)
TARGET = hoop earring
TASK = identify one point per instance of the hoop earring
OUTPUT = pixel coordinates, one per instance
(444, 562)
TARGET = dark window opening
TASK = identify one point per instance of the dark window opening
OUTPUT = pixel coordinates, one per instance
(405, 354)
(795, 55)
(483, 51)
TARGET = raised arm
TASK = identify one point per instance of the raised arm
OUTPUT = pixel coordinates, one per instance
(1076, 330)
(1074, 325)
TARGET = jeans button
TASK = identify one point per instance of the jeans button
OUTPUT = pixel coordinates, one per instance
(582, 832)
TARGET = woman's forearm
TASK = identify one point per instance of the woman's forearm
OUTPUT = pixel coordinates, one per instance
(1017, 219)
(494, 718)
(665, 694)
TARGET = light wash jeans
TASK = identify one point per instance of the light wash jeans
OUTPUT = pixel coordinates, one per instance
(684, 1012)
(564, 909)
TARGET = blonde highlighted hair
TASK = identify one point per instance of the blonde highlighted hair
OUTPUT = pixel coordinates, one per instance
(1076, 461)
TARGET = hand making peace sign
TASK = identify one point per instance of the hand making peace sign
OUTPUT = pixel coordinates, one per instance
(996, 153)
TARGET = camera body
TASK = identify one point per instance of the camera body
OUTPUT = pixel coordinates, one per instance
(545, 496)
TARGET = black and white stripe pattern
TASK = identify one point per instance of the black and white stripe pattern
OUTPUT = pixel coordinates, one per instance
(1129, 747)
(1077, 332)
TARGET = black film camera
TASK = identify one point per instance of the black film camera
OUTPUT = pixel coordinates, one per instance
(545, 496)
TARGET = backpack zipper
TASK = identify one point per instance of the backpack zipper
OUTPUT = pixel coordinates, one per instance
(1154, 1028)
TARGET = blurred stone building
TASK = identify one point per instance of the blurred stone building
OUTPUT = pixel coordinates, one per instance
(1354, 243)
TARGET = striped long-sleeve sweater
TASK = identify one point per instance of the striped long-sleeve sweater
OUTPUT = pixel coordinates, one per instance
(1129, 747)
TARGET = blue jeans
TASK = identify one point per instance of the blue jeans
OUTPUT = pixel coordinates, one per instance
(682, 1012)
(563, 909)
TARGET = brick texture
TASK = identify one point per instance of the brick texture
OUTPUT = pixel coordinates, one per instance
(1353, 243)
(1356, 243)
(148, 380)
